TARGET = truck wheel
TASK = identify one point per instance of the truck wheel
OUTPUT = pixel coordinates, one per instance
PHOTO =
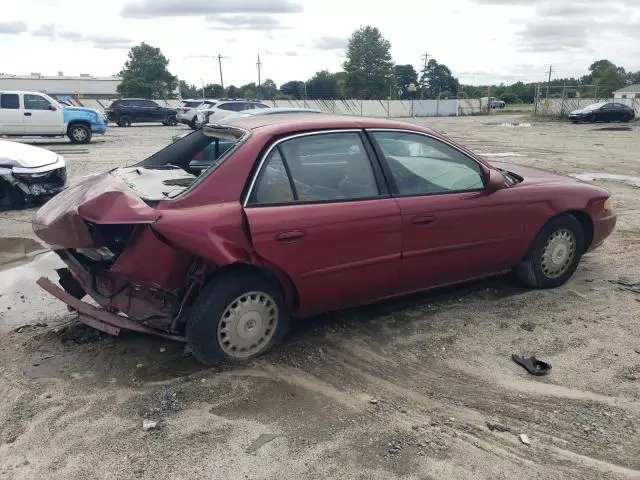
(236, 317)
(11, 197)
(79, 133)
(124, 121)
(555, 253)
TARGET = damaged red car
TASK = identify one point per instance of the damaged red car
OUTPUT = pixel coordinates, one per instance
(303, 214)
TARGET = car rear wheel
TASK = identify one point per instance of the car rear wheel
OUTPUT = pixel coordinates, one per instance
(236, 317)
(124, 121)
(170, 121)
(79, 133)
(554, 255)
(193, 122)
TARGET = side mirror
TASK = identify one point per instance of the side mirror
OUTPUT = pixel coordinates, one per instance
(496, 181)
(52, 108)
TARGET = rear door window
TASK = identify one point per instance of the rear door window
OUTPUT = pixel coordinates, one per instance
(10, 101)
(227, 106)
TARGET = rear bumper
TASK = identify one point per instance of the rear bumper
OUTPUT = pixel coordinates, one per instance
(98, 318)
(601, 230)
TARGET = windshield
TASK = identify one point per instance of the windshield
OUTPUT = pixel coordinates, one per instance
(595, 106)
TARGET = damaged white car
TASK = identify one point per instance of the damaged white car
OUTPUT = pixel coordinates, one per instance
(29, 175)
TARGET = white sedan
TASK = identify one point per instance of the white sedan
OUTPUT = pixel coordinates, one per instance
(29, 174)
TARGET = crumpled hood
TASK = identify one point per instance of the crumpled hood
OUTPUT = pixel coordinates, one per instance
(14, 154)
(83, 109)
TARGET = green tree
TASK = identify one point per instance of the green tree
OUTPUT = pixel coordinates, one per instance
(233, 91)
(323, 85)
(437, 78)
(189, 91)
(250, 90)
(609, 80)
(510, 97)
(268, 89)
(368, 66)
(145, 74)
(213, 90)
(406, 77)
(293, 89)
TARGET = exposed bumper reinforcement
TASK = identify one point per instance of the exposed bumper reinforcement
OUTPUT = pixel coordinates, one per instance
(100, 319)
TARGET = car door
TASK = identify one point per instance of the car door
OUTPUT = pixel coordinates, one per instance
(41, 116)
(11, 114)
(156, 112)
(453, 230)
(607, 113)
(136, 110)
(341, 243)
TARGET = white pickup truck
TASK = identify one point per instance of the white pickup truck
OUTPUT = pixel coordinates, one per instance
(37, 114)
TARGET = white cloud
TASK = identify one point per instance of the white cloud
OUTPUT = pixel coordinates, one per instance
(13, 28)
(190, 8)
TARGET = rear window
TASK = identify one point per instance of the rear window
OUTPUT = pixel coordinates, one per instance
(10, 100)
(191, 104)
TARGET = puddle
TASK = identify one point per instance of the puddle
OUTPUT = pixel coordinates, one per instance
(501, 154)
(17, 249)
(515, 125)
(622, 128)
(22, 302)
(591, 177)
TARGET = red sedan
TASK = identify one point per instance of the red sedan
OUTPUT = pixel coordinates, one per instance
(304, 214)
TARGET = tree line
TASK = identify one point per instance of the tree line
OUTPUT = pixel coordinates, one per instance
(368, 73)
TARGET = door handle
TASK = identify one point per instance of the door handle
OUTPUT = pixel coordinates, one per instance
(291, 236)
(422, 219)
(27, 114)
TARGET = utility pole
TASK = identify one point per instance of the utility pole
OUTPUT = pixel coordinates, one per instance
(549, 81)
(425, 57)
(220, 57)
(259, 65)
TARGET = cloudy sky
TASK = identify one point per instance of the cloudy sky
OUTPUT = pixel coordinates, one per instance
(480, 40)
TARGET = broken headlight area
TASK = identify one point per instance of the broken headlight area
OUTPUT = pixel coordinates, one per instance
(42, 183)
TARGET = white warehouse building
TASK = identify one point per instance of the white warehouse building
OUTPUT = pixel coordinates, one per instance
(63, 87)
(631, 91)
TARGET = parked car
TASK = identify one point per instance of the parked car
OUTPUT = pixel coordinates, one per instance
(603, 112)
(28, 174)
(304, 214)
(127, 111)
(224, 107)
(37, 114)
(269, 111)
(495, 103)
(188, 109)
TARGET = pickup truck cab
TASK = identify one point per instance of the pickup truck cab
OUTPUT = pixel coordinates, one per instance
(37, 114)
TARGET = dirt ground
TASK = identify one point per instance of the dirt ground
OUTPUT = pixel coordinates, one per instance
(419, 388)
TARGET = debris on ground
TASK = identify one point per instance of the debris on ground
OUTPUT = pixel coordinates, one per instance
(373, 401)
(261, 441)
(532, 365)
(28, 328)
(524, 438)
(496, 427)
(529, 327)
(149, 425)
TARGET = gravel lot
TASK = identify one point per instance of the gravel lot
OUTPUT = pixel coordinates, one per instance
(419, 388)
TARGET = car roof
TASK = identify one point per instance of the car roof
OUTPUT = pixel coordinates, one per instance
(22, 91)
(294, 122)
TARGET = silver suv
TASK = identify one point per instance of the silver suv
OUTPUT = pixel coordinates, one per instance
(224, 107)
(188, 109)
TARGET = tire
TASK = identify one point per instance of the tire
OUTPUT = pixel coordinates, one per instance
(212, 313)
(544, 265)
(124, 121)
(11, 197)
(171, 121)
(592, 119)
(193, 122)
(627, 119)
(79, 133)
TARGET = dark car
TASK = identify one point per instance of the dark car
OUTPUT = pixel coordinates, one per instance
(304, 214)
(126, 111)
(603, 112)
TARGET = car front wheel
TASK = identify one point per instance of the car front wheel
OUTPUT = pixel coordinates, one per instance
(79, 134)
(236, 317)
(554, 255)
(124, 121)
